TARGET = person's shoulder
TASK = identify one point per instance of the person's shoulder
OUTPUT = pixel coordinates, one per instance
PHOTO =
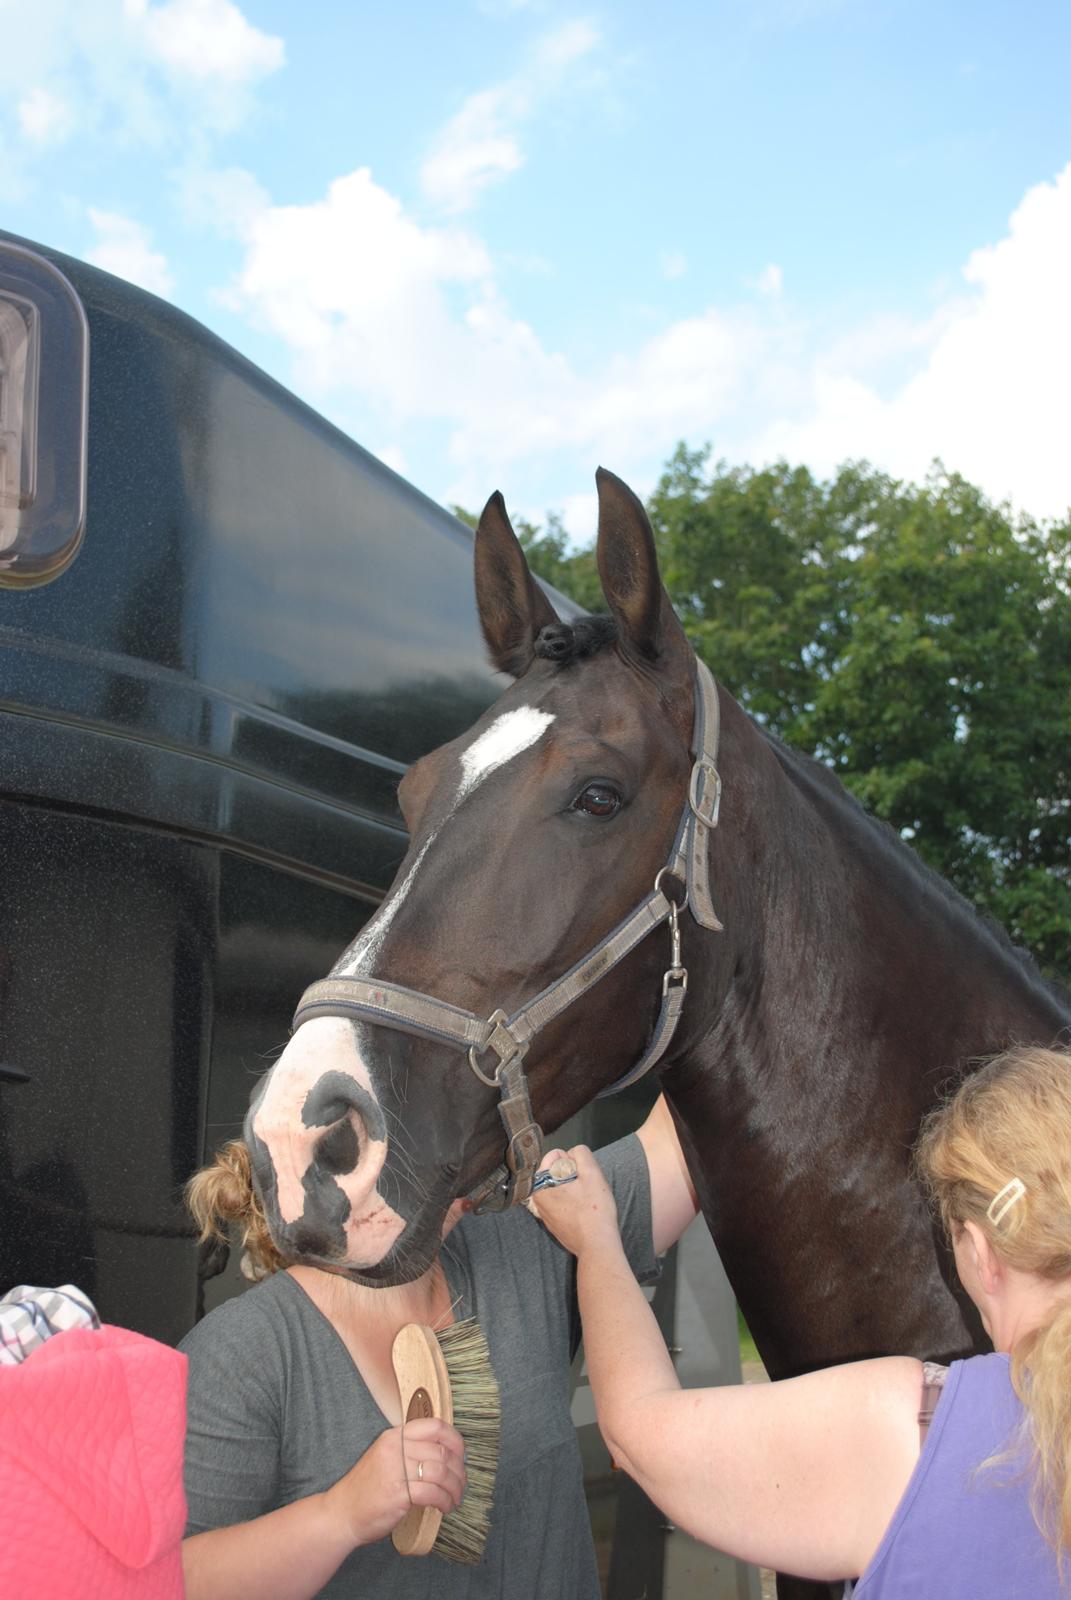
(245, 1319)
(889, 1386)
(988, 1372)
(993, 1361)
(894, 1380)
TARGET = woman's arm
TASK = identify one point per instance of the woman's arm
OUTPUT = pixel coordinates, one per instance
(673, 1198)
(803, 1475)
(290, 1553)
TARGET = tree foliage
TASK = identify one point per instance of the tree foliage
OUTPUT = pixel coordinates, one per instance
(916, 638)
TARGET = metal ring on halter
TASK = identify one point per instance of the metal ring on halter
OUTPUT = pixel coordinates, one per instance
(492, 1083)
(681, 879)
(505, 1045)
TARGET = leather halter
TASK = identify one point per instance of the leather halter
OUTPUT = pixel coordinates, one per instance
(509, 1037)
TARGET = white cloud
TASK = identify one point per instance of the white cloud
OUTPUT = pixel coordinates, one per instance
(226, 199)
(408, 325)
(770, 282)
(159, 74)
(474, 150)
(361, 293)
(989, 395)
(696, 368)
(558, 49)
(393, 456)
(44, 117)
(410, 322)
(208, 39)
(580, 517)
(123, 248)
(479, 145)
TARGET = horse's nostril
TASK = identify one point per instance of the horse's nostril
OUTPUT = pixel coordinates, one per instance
(340, 1148)
(334, 1096)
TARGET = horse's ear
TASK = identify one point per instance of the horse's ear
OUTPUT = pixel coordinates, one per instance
(511, 604)
(628, 570)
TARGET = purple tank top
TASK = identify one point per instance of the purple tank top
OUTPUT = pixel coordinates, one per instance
(959, 1533)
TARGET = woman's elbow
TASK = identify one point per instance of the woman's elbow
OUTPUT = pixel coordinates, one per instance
(622, 1437)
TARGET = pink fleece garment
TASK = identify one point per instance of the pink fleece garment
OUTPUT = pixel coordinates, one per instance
(92, 1426)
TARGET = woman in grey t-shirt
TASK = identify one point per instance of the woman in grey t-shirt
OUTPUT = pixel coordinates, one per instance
(295, 1471)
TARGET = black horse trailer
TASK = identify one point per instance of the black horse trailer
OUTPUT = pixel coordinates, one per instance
(225, 630)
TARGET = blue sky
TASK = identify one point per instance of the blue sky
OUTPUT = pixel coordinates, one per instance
(502, 241)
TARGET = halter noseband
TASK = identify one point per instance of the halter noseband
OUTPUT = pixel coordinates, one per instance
(509, 1037)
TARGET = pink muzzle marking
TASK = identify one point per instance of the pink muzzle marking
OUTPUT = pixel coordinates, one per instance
(325, 1044)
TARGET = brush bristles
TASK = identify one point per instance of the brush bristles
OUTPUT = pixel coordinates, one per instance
(478, 1419)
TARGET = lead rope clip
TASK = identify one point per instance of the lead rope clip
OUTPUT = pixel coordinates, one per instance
(675, 975)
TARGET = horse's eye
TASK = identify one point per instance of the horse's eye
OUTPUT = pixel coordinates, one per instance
(598, 800)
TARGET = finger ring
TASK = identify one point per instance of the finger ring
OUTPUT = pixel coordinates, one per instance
(420, 1470)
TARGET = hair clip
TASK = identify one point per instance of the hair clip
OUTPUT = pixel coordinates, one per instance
(1002, 1203)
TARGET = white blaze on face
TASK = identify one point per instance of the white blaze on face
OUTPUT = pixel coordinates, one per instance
(361, 958)
(507, 736)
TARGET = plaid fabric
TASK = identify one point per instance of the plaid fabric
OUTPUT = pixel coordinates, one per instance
(29, 1316)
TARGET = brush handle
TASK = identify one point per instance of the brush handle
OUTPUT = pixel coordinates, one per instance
(424, 1385)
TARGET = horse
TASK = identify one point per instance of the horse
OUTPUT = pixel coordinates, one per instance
(817, 987)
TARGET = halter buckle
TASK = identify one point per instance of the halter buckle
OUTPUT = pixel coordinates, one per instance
(512, 1184)
(705, 775)
(502, 1042)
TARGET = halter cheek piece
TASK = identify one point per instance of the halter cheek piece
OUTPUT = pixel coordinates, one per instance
(508, 1037)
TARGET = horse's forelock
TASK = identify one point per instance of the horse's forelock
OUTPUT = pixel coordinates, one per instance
(564, 643)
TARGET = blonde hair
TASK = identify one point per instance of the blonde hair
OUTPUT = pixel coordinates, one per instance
(1011, 1119)
(223, 1202)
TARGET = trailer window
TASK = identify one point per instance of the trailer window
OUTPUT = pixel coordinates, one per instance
(44, 350)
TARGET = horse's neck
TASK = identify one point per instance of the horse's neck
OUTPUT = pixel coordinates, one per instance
(848, 984)
(859, 928)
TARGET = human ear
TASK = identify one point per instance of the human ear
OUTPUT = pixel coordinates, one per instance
(986, 1262)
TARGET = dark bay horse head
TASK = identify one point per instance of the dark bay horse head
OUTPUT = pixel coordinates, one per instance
(530, 837)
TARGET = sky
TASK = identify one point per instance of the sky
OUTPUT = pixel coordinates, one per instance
(502, 242)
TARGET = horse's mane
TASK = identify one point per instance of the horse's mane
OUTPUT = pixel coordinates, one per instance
(565, 643)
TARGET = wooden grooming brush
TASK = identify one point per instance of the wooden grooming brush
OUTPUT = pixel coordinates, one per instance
(449, 1375)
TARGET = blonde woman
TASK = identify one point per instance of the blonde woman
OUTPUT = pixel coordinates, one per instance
(916, 1481)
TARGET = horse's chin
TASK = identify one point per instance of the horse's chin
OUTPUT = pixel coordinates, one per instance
(410, 1257)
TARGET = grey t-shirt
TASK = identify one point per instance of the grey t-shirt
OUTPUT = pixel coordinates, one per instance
(277, 1409)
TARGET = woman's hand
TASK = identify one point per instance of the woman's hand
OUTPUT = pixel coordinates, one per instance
(291, 1552)
(581, 1215)
(420, 1464)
